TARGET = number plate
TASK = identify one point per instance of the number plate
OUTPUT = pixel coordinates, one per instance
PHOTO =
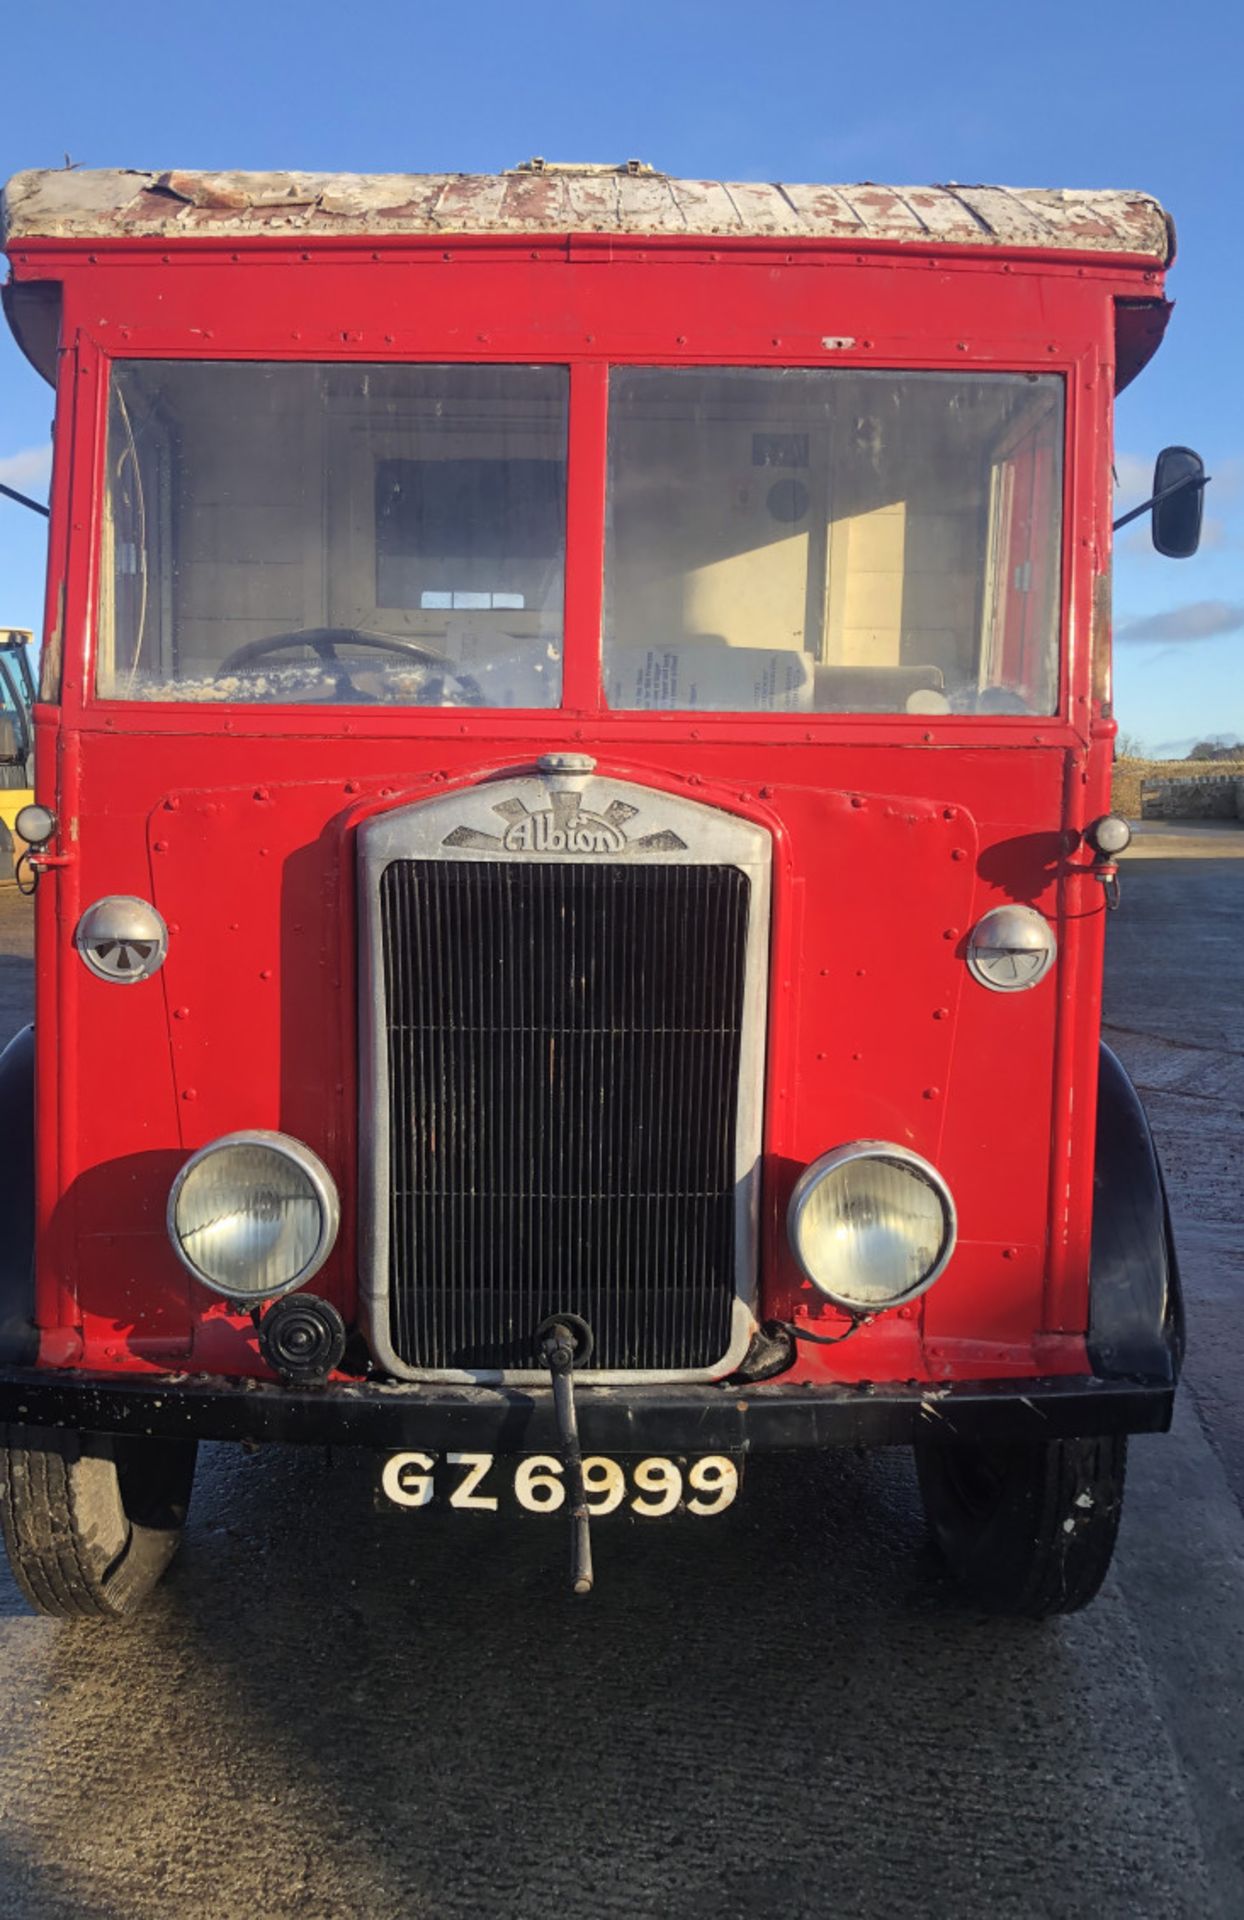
(650, 1488)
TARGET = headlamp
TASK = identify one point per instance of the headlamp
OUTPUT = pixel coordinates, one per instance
(253, 1215)
(872, 1225)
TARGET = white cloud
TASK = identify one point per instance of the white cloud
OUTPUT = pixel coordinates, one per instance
(32, 467)
(1198, 620)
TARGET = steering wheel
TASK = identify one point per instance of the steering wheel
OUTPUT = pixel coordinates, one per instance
(324, 641)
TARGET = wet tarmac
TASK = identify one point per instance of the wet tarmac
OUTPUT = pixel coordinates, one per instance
(330, 1712)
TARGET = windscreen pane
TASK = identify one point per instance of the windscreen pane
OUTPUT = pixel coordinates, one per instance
(313, 533)
(793, 540)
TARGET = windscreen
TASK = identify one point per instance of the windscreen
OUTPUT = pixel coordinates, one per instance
(312, 533)
(838, 541)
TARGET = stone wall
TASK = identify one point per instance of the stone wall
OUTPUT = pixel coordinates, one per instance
(1178, 789)
(1208, 797)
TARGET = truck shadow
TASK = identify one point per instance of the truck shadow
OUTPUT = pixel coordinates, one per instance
(777, 1711)
(1024, 865)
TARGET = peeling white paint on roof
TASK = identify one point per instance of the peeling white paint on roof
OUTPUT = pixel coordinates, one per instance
(114, 204)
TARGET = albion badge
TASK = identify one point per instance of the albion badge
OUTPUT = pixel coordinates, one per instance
(580, 832)
(564, 826)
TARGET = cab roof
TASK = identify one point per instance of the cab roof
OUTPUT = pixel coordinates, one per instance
(543, 198)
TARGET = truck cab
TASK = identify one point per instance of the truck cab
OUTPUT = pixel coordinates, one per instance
(574, 849)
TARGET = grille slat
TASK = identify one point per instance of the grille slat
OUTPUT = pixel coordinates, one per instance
(563, 1047)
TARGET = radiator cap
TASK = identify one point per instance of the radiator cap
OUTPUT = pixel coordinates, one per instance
(566, 763)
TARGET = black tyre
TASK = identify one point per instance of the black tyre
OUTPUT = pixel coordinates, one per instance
(1025, 1529)
(91, 1521)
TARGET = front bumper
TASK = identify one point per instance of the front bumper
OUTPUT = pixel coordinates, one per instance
(613, 1420)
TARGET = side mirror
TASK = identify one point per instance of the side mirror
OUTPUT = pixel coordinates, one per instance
(1179, 475)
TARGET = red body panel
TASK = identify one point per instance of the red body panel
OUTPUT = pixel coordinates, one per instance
(892, 835)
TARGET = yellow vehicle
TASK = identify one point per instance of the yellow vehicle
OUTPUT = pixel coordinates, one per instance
(17, 695)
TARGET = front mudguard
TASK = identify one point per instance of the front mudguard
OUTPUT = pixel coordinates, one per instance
(1136, 1315)
(19, 1340)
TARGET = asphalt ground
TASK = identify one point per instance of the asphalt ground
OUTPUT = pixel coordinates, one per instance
(330, 1712)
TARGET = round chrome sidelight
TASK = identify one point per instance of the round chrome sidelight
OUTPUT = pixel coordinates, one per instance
(1109, 836)
(1011, 948)
(122, 939)
(872, 1225)
(253, 1215)
(34, 824)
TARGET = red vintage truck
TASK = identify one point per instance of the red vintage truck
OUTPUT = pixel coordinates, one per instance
(573, 845)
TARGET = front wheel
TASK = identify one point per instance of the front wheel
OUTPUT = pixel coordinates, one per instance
(91, 1521)
(1028, 1528)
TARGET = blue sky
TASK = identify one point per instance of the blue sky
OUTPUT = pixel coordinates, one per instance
(1128, 93)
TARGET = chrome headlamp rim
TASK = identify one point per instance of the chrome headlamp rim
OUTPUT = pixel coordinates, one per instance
(884, 1150)
(322, 1183)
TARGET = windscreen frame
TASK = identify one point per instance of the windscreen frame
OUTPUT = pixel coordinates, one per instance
(596, 327)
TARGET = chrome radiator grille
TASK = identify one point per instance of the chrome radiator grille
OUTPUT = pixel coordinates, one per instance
(560, 1044)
